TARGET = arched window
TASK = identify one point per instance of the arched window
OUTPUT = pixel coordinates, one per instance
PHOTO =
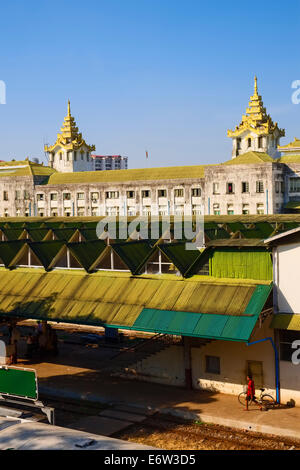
(249, 142)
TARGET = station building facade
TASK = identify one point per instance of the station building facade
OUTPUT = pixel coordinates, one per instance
(262, 177)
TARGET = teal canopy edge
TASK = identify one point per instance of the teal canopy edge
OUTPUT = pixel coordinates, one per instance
(204, 325)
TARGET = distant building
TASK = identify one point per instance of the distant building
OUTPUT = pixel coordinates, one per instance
(109, 162)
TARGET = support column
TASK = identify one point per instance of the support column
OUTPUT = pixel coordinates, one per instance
(187, 362)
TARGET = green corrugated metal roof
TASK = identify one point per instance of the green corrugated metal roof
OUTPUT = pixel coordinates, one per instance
(89, 233)
(179, 255)
(134, 254)
(9, 250)
(37, 234)
(251, 233)
(118, 301)
(13, 233)
(216, 233)
(46, 251)
(265, 228)
(215, 326)
(292, 205)
(87, 253)
(65, 234)
(235, 226)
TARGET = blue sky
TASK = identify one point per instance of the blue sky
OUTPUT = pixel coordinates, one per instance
(167, 76)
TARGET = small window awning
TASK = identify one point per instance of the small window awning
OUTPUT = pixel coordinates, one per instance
(292, 205)
(225, 309)
(286, 321)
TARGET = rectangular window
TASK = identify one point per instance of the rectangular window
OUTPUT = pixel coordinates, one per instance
(147, 210)
(246, 209)
(53, 197)
(75, 156)
(259, 186)
(260, 142)
(230, 210)
(216, 189)
(260, 209)
(178, 192)
(5, 195)
(294, 185)
(40, 197)
(146, 193)
(26, 194)
(179, 210)
(196, 210)
(216, 209)
(196, 192)
(80, 196)
(130, 194)
(230, 188)
(282, 187)
(67, 196)
(18, 195)
(111, 194)
(95, 196)
(162, 193)
(212, 365)
(277, 186)
(245, 187)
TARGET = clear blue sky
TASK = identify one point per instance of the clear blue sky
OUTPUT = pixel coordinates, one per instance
(163, 75)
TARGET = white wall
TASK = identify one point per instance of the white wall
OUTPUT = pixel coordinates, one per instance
(288, 295)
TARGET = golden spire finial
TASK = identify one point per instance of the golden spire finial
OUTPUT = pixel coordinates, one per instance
(255, 85)
(69, 108)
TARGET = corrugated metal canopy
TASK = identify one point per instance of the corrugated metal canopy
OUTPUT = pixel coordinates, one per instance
(225, 309)
(285, 321)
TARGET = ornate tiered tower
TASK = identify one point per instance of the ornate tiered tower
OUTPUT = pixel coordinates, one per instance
(70, 151)
(257, 132)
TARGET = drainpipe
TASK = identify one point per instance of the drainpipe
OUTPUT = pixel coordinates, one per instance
(209, 206)
(277, 382)
(187, 362)
(267, 201)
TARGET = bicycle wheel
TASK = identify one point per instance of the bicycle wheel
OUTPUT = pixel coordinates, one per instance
(242, 399)
(268, 401)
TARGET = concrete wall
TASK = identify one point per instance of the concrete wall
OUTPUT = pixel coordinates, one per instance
(287, 282)
(167, 367)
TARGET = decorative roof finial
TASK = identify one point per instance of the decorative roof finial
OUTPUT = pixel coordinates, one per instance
(69, 108)
(255, 85)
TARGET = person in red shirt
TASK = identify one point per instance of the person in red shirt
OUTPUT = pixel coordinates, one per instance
(251, 393)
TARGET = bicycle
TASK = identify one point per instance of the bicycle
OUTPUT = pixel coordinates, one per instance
(265, 400)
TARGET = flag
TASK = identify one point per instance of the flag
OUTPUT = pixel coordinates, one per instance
(146, 154)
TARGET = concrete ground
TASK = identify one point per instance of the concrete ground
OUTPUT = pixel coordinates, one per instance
(76, 374)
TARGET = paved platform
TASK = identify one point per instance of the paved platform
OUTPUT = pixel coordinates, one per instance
(81, 382)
